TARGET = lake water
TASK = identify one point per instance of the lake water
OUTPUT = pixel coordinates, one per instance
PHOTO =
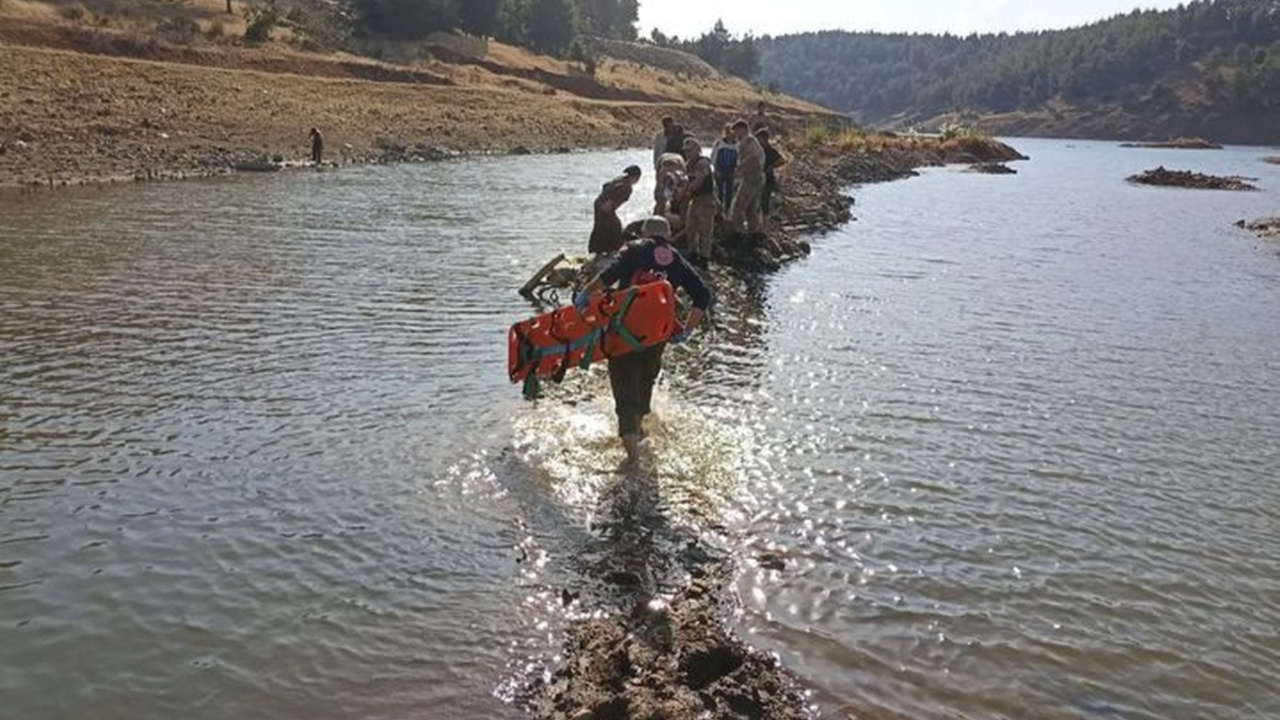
(1014, 438)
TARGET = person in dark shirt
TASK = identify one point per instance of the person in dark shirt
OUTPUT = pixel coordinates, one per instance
(773, 159)
(675, 140)
(633, 375)
(606, 233)
(317, 146)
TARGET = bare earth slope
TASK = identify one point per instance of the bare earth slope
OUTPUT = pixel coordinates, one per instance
(79, 102)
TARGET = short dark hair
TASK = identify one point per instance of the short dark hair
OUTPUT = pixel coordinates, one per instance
(668, 120)
(632, 170)
(741, 124)
(763, 133)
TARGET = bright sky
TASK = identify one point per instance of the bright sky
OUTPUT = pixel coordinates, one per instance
(777, 17)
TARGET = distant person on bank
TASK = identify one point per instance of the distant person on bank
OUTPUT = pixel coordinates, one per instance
(724, 158)
(744, 214)
(633, 375)
(606, 233)
(700, 212)
(317, 146)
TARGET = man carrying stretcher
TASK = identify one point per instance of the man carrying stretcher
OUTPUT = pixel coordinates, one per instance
(633, 375)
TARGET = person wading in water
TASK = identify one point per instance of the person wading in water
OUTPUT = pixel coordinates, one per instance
(606, 234)
(633, 375)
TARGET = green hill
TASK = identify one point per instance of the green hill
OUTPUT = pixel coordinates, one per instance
(1209, 68)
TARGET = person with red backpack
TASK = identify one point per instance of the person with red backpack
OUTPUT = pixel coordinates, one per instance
(632, 376)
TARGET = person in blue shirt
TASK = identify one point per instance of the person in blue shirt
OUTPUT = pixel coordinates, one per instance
(632, 376)
(724, 156)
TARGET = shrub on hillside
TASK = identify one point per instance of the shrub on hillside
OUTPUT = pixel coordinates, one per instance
(178, 30)
(260, 21)
(816, 135)
(321, 28)
(74, 12)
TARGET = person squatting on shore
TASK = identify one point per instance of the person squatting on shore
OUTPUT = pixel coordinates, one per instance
(668, 183)
(700, 212)
(317, 146)
(606, 233)
(632, 376)
(744, 214)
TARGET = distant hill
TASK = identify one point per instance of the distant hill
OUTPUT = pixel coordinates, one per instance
(1209, 68)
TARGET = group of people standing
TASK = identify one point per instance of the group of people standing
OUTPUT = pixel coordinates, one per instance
(692, 190)
(735, 182)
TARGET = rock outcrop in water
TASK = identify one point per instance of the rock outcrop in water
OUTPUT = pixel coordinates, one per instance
(1269, 227)
(992, 169)
(1187, 179)
(1176, 144)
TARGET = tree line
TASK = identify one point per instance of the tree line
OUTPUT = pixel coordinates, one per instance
(730, 54)
(547, 26)
(1223, 51)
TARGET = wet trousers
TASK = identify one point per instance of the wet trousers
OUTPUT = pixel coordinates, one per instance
(632, 377)
(745, 213)
(700, 225)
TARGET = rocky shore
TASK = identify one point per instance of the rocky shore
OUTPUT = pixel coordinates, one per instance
(1186, 179)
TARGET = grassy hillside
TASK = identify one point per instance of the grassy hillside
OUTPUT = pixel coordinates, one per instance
(1209, 68)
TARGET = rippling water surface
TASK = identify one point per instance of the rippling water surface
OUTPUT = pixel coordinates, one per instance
(1013, 438)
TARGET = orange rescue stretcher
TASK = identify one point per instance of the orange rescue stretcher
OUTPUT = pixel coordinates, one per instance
(615, 322)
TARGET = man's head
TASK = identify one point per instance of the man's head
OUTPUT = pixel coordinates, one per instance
(668, 124)
(728, 130)
(692, 148)
(632, 174)
(741, 129)
(763, 135)
(655, 227)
